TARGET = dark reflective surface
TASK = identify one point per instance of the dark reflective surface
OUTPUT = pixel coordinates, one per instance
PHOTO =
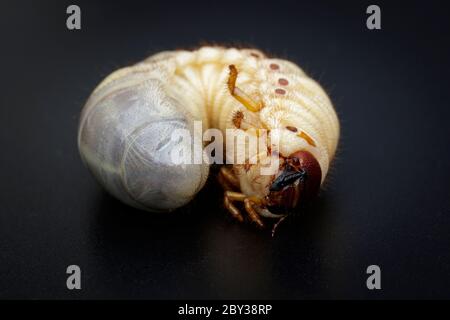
(386, 201)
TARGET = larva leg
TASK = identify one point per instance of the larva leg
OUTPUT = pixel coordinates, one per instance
(226, 186)
(227, 179)
(229, 197)
(240, 95)
(229, 176)
(275, 226)
(254, 216)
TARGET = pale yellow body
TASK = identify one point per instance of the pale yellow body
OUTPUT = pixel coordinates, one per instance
(197, 81)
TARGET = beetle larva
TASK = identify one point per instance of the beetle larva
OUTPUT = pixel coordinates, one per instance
(126, 125)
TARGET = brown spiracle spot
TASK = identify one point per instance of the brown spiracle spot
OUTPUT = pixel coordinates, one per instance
(237, 119)
(274, 66)
(283, 82)
(291, 128)
(280, 91)
(254, 54)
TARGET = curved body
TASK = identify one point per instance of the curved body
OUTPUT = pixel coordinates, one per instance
(125, 125)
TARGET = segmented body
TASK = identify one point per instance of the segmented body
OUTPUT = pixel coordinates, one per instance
(171, 89)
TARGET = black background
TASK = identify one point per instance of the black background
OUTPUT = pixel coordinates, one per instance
(386, 201)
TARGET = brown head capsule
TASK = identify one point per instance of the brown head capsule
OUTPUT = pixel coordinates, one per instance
(297, 182)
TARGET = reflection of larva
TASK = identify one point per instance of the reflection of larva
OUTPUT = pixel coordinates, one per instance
(125, 128)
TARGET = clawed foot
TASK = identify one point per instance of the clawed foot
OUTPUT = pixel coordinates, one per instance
(231, 196)
(229, 182)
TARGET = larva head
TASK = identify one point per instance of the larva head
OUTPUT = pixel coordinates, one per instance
(297, 182)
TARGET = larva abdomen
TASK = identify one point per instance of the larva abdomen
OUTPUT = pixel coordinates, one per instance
(125, 141)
